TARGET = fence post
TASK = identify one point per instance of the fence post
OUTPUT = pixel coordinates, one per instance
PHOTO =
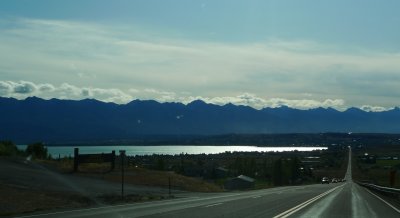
(76, 159)
(122, 155)
(169, 186)
(113, 160)
(392, 178)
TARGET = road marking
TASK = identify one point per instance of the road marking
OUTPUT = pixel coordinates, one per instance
(213, 205)
(304, 204)
(394, 208)
(259, 196)
(149, 204)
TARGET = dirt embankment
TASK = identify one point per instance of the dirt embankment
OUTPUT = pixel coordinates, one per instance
(20, 199)
(27, 187)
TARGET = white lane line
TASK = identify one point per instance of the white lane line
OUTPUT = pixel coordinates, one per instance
(259, 196)
(304, 204)
(394, 208)
(213, 205)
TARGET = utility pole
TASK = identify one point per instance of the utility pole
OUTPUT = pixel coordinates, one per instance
(122, 156)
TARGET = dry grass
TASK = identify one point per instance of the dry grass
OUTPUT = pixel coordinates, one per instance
(136, 176)
(378, 173)
(67, 166)
(116, 199)
(375, 175)
(18, 200)
(139, 176)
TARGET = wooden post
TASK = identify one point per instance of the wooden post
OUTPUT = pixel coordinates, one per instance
(392, 177)
(113, 160)
(76, 159)
(169, 186)
(122, 155)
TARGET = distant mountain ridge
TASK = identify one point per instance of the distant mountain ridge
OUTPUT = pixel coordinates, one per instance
(55, 120)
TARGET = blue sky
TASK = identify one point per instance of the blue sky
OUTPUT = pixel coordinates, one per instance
(302, 54)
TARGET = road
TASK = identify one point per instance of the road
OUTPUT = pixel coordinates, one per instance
(319, 200)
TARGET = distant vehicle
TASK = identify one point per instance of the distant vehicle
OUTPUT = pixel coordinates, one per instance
(325, 180)
(343, 180)
(334, 180)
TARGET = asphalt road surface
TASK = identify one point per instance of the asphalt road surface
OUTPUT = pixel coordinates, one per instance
(320, 200)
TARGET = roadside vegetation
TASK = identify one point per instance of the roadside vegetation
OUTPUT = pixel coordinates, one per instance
(135, 175)
(379, 165)
(17, 199)
(267, 169)
(8, 148)
(36, 150)
(209, 173)
(204, 173)
(196, 173)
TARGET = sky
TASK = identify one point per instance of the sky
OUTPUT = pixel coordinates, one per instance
(301, 54)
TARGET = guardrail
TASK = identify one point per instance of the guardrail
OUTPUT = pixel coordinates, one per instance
(393, 192)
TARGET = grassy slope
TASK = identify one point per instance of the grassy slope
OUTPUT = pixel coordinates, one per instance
(378, 172)
(18, 200)
(139, 176)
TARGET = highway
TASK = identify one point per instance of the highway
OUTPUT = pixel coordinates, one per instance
(320, 200)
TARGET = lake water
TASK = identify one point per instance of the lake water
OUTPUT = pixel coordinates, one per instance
(167, 149)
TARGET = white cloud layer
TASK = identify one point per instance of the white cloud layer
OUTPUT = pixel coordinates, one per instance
(252, 100)
(49, 52)
(23, 89)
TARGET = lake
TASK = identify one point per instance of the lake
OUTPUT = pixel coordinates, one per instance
(167, 149)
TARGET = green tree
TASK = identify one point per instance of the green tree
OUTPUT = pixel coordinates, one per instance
(294, 169)
(277, 173)
(8, 148)
(160, 163)
(252, 167)
(266, 170)
(238, 165)
(37, 150)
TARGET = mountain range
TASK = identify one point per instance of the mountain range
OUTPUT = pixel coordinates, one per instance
(55, 120)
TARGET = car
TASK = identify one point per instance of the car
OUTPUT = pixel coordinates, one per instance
(334, 180)
(325, 180)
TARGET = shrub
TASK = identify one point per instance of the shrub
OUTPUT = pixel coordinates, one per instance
(37, 150)
(8, 148)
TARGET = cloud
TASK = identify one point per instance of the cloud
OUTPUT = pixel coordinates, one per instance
(20, 88)
(23, 89)
(5, 88)
(274, 71)
(46, 87)
(370, 108)
(162, 96)
(259, 103)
